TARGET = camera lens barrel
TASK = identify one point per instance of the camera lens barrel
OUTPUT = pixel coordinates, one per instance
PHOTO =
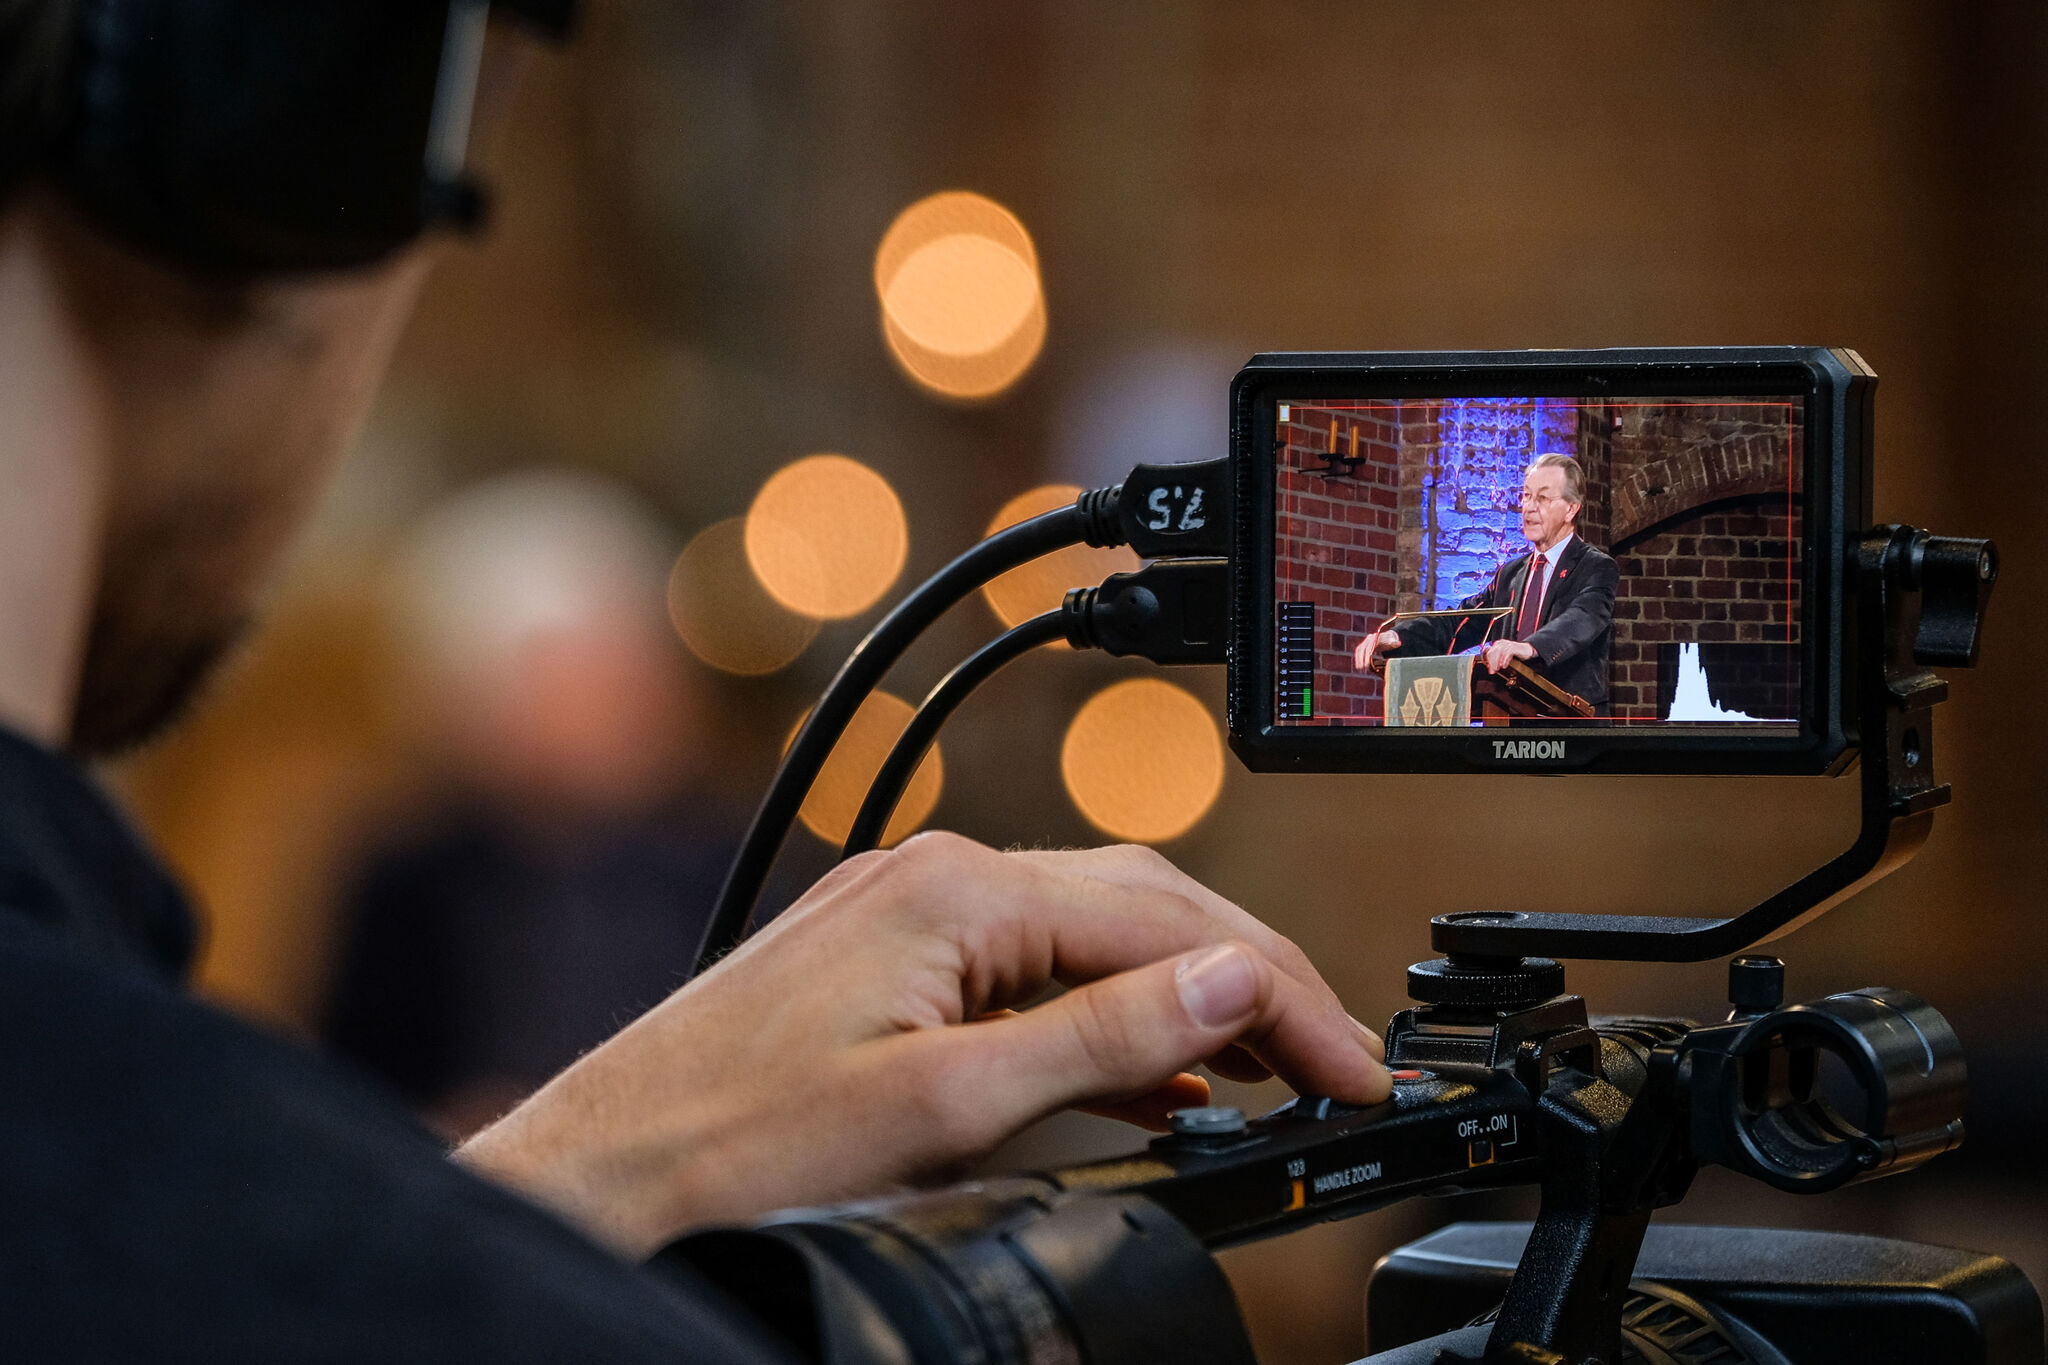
(1003, 1272)
(1814, 1096)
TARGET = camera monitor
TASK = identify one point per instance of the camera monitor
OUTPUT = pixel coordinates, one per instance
(1626, 560)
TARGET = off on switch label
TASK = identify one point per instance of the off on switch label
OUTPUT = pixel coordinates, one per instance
(1498, 1126)
(1484, 1137)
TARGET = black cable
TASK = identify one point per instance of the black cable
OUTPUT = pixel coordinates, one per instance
(1092, 519)
(1171, 611)
(1178, 509)
(895, 773)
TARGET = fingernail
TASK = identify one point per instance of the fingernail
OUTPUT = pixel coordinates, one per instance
(1218, 986)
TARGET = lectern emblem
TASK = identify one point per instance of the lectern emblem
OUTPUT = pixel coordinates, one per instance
(1429, 702)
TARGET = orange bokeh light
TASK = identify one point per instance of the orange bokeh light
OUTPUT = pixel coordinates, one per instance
(963, 309)
(950, 213)
(826, 536)
(1040, 586)
(1143, 760)
(842, 784)
(724, 614)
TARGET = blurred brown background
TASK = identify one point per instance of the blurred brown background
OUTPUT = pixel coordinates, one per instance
(677, 293)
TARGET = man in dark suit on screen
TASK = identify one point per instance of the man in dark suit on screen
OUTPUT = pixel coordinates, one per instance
(1562, 595)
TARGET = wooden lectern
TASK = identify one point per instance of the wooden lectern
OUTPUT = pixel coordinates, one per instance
(1519, 692)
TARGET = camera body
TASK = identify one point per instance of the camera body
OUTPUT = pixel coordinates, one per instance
(1766, 1296)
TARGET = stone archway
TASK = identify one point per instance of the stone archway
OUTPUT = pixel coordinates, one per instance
(1649, 495)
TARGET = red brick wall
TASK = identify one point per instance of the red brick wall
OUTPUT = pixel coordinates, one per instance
(1595, 455)
(1717, 576)
(1706, 544)
(1335, 543)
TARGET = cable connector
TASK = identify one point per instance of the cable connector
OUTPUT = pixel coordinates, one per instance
(1100, 525)
(1172, 612)
(1175, 509)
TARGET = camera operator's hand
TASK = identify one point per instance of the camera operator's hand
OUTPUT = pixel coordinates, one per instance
(1500, 651)
(1362, 656)
(864, 1039)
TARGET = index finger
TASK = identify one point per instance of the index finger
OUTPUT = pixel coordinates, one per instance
(1144, 872)
(1079, 916)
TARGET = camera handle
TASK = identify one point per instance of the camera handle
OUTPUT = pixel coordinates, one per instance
(1923, 597)
(1624, 1115)
(1611, 1122)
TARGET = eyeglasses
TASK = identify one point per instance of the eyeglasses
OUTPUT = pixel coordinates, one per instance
(1540, 499)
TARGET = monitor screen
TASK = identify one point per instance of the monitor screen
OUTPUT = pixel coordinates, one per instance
(1611, 561)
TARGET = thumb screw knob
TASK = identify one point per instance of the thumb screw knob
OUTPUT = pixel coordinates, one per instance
(1756, 985)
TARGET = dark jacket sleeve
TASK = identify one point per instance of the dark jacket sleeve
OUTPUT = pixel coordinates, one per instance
(1589, 616)
(1439, 636)
(179, 1188)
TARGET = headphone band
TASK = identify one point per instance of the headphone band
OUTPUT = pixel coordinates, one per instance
(278, 135)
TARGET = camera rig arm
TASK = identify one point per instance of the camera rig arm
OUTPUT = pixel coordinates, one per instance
(1919, 602)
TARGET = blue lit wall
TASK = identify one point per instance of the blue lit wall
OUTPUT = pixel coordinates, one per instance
(1472, 513)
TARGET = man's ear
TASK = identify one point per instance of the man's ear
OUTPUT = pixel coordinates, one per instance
(1571, 516)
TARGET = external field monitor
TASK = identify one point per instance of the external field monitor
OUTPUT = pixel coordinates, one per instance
(1624, 560)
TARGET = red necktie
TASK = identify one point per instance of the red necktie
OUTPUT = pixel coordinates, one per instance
(1532, 600)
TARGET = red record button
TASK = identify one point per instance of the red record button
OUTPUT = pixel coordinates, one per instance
(1406, 1075)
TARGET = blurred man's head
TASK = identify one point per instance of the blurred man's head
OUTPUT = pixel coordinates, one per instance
(1553, 491)
(532, 614)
